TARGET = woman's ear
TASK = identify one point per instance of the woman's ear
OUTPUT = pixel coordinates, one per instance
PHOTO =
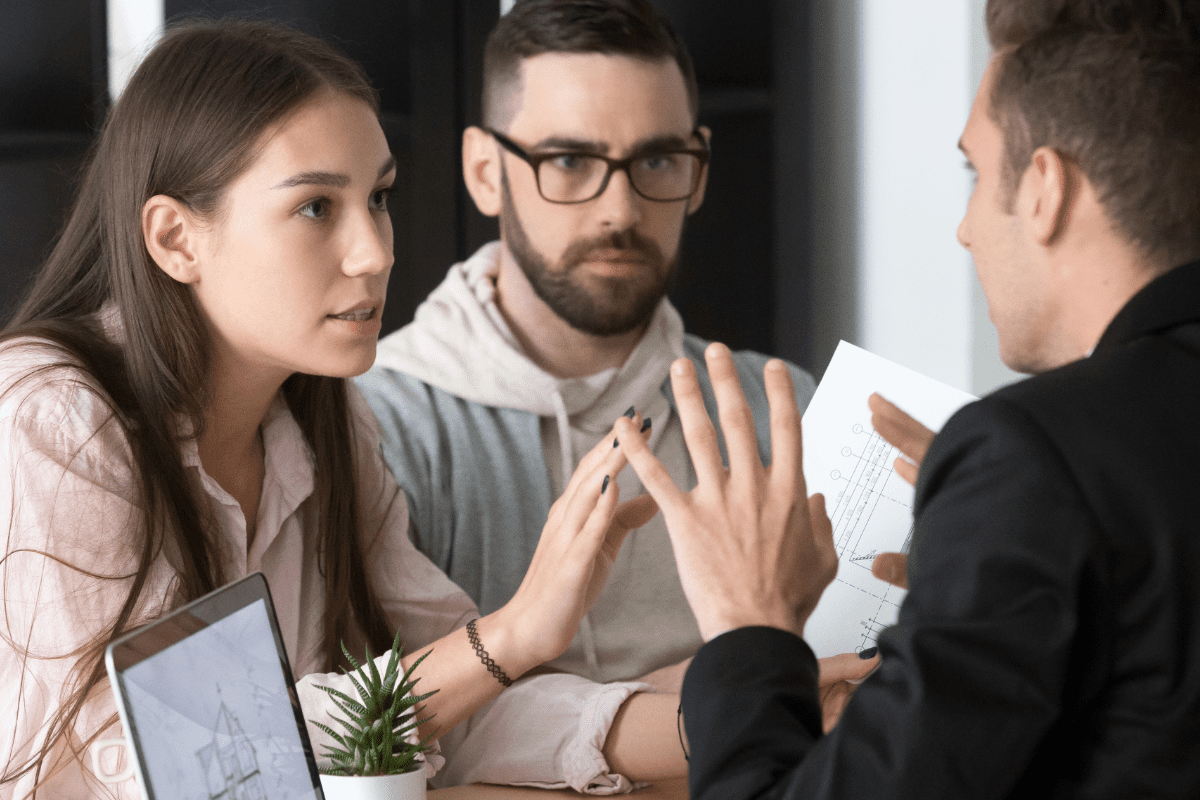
(481, 170)
(171, 235)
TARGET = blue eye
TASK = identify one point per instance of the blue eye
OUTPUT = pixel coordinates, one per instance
(317, 208)
(658, 161)
(570, 161)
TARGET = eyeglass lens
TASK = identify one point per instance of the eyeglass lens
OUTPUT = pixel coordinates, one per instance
(575, 177)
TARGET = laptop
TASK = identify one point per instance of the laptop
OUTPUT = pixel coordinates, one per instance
(208, 702)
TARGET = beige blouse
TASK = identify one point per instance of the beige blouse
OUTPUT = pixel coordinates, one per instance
(66, 488)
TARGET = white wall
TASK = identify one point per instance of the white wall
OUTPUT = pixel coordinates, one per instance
(988, 371)
(914, 279)
(133, 27)
(893, 88)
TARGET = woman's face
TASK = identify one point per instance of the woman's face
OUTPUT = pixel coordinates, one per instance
(293, 272)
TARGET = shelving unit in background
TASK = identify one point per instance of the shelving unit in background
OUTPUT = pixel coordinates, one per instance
(744, 276)
(54, 92)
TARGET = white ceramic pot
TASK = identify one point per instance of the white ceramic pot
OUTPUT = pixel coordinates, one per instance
(409, 786)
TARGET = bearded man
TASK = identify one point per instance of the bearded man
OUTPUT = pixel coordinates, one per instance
(513, 368)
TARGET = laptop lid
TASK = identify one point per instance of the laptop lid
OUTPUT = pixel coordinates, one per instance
(208, 702)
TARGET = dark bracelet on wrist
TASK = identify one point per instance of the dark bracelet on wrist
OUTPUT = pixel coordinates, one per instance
(491, 665)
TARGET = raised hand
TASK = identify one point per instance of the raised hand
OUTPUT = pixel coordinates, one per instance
(902, 432)
(576, 551)
(750, 547)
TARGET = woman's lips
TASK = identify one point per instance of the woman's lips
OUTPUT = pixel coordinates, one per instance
(357, 315)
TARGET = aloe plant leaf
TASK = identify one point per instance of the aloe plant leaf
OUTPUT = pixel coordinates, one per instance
(349, 657)
(358, 687)
(347, 703)
(393, 665)
(379, 721)
(330, 732)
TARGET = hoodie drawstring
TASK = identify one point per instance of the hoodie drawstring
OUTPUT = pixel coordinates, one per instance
(566, 452)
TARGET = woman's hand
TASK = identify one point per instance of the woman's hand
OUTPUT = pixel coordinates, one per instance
(576, 551)
(583, 533)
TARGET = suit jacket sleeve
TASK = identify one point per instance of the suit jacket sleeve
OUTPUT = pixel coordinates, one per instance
(978, 664)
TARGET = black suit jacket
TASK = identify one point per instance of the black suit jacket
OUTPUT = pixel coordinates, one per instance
(1049, 645)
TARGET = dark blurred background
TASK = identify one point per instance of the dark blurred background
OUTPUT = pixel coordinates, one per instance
(744, 278)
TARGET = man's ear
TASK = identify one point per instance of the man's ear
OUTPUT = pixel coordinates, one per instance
(481, 170)
(1047, 196)
(171, 235)
(697, 197)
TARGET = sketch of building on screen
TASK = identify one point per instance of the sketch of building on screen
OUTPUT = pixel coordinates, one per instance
(230, 763)
(215, 718)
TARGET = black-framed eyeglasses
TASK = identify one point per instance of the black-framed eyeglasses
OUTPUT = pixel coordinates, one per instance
(572, 176)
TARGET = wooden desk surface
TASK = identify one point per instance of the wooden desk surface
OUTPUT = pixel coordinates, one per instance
(674, 789)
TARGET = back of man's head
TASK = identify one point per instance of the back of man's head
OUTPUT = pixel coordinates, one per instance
(612, 27)
(1114, 86)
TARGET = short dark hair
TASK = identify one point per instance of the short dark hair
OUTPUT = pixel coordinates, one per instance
(1114, 86)
(613, 27)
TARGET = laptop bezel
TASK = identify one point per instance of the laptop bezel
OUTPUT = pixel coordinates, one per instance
(147, 641)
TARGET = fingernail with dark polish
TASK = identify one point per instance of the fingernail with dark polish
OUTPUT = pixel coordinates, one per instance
(604, 487)
(868, 653)
(629, 412)
(646, 424)
(615, 443)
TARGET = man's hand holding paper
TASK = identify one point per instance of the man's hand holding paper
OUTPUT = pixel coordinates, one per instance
(912, 439)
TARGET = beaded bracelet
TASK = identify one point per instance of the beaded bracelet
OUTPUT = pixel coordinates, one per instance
(491, 665)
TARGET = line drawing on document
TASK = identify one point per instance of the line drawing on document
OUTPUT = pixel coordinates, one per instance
(872, 507)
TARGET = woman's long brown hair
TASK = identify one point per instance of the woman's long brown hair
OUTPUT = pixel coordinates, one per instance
(192, 118)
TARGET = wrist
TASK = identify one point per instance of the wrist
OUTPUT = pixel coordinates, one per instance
(716, 624)
(503, 641)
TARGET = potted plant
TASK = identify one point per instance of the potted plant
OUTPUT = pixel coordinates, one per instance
(374, 760)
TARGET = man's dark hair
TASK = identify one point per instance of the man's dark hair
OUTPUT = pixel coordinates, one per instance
(612, 27)
(1114, 86)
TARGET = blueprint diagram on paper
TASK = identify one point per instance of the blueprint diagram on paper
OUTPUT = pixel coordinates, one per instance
(869, 505)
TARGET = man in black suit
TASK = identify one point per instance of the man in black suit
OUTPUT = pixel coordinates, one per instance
(1050, 642)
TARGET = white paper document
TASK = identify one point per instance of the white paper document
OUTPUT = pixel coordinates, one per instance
(869, 504)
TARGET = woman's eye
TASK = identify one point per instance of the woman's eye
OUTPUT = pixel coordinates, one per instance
(315, 209)
(379, 199)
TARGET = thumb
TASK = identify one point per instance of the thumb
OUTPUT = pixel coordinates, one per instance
(636, 512)
(891, 567)
(631, 514)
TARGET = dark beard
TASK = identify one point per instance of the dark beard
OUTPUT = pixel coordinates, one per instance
(614, 306)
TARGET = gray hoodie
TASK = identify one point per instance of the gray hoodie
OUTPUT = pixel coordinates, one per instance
(482, 440)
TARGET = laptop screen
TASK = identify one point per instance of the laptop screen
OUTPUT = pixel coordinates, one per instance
(208, 700)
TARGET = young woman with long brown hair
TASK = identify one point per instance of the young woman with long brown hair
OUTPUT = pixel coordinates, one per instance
(174, 411)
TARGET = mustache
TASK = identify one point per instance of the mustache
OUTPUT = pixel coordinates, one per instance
(627, 240)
